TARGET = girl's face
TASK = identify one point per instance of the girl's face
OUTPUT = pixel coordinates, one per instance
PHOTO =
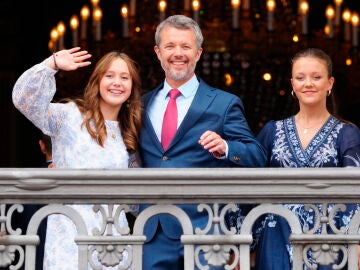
(115, 86)
(310, 80)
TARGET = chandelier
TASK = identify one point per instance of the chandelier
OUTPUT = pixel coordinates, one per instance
(247, 49)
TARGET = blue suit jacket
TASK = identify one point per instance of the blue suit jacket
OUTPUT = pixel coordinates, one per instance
(212, 109)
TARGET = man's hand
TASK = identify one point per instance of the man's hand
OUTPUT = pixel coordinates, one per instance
(212, 142)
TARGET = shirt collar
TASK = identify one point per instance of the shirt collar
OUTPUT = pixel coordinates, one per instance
(187, 89)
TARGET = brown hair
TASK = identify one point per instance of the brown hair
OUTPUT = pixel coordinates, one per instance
(129, 116)
(315, 53)
(321, 55)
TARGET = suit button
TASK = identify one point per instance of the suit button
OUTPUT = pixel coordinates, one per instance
(165, 158)
(236, 158)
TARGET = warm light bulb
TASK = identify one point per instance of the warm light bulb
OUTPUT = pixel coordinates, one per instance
(295, 38)
(270, 4)
(304, 7)
(327, 29)
(330, 12)
(97, 14)
(267, 76)
(235, 3)
(124, 11)
(61, 28)
(348, 61)
(346, 15)
(85, 12)
(54, 34)
(228, 79)
(338, 2)
(74, 22)
(355, 19)
(196, 5)
(95, 2)
(162, 5)
(51, 45)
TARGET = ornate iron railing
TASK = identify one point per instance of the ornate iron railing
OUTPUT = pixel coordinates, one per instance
(265, 188)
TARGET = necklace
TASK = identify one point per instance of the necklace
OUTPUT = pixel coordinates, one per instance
(305, 130)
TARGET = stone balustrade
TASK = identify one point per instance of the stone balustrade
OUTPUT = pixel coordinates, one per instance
(216, 192)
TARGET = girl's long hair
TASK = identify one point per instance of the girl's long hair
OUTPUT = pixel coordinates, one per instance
(129, 116)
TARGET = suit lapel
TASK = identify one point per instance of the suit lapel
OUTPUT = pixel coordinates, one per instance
(147, 125)
(203, 98)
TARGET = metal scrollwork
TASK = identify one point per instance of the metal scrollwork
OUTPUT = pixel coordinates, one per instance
(110, 253)
(8, 251)
(325, 254)
(216, 253)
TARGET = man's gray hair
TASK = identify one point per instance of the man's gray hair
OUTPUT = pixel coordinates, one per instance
(180, 22)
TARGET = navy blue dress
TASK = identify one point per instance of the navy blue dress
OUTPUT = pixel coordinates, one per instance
(337, 144)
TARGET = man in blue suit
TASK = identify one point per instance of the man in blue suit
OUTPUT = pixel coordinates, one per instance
(211, 132)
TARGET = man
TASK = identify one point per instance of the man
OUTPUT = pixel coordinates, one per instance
(21, 220)
(46, 149)
(211, 132)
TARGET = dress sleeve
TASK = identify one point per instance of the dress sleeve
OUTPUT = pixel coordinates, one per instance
(349, 146)
(266, 138)
(32, 95)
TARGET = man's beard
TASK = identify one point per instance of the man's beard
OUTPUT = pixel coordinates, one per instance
(179, 75)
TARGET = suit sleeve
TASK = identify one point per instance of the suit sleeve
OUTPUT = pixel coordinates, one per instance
(244, 149)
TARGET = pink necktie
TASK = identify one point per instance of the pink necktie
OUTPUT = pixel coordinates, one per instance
(169, 125)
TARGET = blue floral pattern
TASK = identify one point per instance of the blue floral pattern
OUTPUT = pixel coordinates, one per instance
(337, 144)
(321, 152)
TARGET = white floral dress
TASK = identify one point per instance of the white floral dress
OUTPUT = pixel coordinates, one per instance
(72, 147)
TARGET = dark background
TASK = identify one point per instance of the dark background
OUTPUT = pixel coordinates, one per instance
(25, 27)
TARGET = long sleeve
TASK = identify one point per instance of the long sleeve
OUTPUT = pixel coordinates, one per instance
(244, 149)
(33, 92)
(349, 146)
(266, 138)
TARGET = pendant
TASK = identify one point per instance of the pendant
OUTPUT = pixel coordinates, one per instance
(305, 131)
(113, 136)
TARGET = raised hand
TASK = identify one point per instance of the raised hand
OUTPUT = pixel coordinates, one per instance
(70, 59)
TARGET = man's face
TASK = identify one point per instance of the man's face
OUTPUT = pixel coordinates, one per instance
(178, 54)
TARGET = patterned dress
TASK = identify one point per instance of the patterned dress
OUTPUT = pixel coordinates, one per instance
(337, 144)
(72, 147)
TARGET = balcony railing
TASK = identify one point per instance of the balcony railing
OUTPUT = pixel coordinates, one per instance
(264, 188)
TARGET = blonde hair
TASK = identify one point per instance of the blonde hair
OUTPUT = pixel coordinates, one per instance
(129, 116)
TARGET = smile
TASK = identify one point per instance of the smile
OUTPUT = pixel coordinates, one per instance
(115, 91)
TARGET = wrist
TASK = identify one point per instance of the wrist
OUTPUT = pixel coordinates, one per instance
(51, 63)
(54, 55)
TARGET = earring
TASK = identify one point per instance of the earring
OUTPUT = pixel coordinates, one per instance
(329, 92)
(127, 103)
(292, 93)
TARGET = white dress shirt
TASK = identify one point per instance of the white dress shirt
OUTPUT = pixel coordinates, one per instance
(157, 108)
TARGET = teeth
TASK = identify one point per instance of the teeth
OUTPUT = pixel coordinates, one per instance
(115, 91)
